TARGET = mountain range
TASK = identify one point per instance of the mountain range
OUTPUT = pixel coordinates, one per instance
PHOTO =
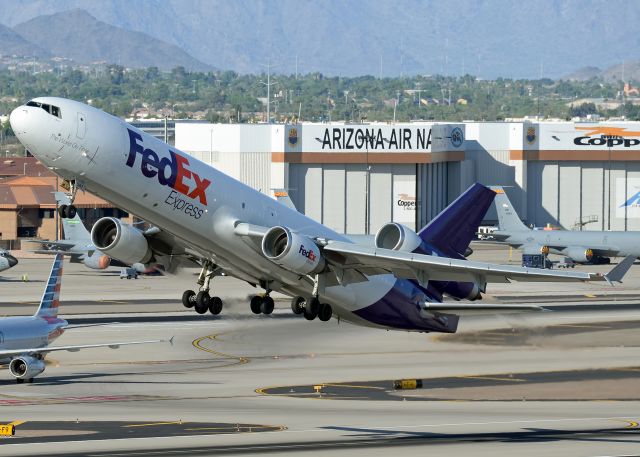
(486, 38)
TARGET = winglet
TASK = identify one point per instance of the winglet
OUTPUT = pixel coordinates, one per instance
(618, 272)
(171, 340)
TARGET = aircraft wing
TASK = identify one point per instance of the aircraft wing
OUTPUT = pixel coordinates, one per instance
(59, 245)
(46, 350)
(423, 268)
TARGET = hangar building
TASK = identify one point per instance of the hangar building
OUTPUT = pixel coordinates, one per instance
(356, 177)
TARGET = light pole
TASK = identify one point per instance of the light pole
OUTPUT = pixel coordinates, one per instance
(268, 84)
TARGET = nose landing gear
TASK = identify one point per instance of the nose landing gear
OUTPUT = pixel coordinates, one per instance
(202, 302)
(69, 211)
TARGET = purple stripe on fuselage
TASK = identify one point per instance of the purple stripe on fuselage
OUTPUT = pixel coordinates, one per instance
(399, 309)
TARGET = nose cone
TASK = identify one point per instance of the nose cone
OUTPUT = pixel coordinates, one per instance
(18, 120)
(12, 260)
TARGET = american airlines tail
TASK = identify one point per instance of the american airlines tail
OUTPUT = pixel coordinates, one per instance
(74, 228)
(51, 297)
(453, 229)
(508, 219)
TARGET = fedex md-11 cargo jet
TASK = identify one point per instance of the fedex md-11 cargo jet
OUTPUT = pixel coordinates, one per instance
(202, 215)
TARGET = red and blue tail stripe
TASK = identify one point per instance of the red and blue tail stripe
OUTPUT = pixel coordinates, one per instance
(51, 297)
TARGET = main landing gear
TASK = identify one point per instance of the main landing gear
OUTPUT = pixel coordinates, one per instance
(262, 304)
(311, 308)
(69, 211)
(202, 301)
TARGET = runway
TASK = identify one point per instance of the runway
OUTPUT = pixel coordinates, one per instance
(561, 383)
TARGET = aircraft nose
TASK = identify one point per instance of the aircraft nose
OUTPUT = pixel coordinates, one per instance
(12, 260)
(18, 119)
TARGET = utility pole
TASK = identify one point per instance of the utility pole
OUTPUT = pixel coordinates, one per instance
(268, 84)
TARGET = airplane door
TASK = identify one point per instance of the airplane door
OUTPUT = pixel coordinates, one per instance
(82, 126)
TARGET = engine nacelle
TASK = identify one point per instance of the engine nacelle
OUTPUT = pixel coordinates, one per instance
(120, 241)
(579, 254)
(97, 261)
(296, 253)
(535, 249)
(461, 290)
(26, 367)
(397, 237)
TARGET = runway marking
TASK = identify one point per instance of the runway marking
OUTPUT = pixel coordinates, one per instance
(492, 378)
(352, 386)
(197, 344)
(320, 430)
(151, 424)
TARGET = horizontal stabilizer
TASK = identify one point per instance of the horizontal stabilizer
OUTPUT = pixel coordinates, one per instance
(471, 309)
(620, 270)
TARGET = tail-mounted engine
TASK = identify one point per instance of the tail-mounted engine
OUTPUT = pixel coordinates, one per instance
(401, 238)
(294, 252)
(120, 241)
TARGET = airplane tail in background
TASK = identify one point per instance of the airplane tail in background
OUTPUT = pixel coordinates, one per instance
(73, 228)
(50, 298)
(508, 219)
(453, 229)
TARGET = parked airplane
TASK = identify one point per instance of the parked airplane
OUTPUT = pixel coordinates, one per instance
(581, 246)
(7, 260)
(24, 341)
(229, 228)
(77, 239)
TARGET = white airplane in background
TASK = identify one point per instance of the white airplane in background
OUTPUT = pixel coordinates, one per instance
(77, 243)
(24, 340)
(203, 215)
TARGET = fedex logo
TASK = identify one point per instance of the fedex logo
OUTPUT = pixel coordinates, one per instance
(170, 171)
(309, 254)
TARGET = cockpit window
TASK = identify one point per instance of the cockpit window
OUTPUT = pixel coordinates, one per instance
(51, 109)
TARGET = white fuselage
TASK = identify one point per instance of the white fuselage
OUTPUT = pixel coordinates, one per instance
(169, 189)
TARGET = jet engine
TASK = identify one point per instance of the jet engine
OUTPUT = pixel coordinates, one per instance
(461, 290)
(97, 261)
(397, 237)
(535, 249)
(26, 367)
(296, 253)
(120, 241)
(579, 254)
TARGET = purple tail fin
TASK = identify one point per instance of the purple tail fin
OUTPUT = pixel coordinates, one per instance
(452, 230)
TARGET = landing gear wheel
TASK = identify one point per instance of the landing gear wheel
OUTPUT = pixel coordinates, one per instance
(297, 305)
(325, 312)
(71, 212)
(19, 381)
(256, 302)
(215, 305)
(188, 298)
(31, 380)
(267, 305)
(312, 306)
(202, 302)
(309, 316)
(62, 211)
